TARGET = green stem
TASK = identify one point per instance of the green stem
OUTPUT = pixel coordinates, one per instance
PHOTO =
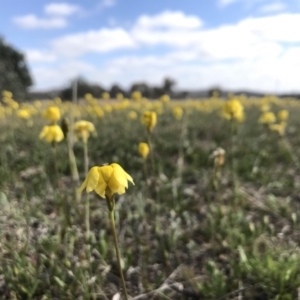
(54, 153)
(110, 203)
(85, 157)
(180, 160)
(87, 216)
(151, 150)
(72, 161)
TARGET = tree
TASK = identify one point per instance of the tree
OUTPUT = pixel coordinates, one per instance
(14, 74)
(115, 89)
(168, 85)
(83, 87)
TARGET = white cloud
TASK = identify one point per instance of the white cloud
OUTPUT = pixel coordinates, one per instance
(273, 7)
(33, 22)
(61, 9)
(168, 19)
(254, 53)
(280, 28)
(33, 55)
(103, 40)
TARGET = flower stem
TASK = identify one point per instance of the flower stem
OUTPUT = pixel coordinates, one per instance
(151, 150)
(54, 153)
(85, 157)
(113, 225)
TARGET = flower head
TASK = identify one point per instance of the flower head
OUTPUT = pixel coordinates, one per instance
(143, 150)
(267, 118)
(105, 96)
(132, 115)
(279, 128)
(83, 129)
(177, 112)
(51, 134)
(233, 110)
(52, 113)
(106, 180)
(24, 113)
(219, 156)
(165, 98)
(136, 95)
(149, 119)
(283, 115)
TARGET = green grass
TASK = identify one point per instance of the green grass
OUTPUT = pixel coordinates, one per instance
(181, 238)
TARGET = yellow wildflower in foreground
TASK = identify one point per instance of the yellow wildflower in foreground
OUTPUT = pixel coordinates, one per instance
(177, 112)
(233, 110)
(267, 118)
(52, 113)
(83, 129)
(51, 134)
(149, 119)
(283, 115)
(143, 150)
(106, 180)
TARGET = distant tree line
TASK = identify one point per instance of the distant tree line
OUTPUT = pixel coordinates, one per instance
(15, 77)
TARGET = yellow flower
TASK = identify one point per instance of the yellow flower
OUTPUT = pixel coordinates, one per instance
(283, 115)
(106, 180)
(279, 128)
(88, 97)
(37, 104)
(132, 115)
(144, 150)
(105, 96)
(7, 94)
(136, 95)
(165, 98)
(264, 107)
(52, 133)
(98, 111)
(13, 104)
(149, 119)
(57, 100)
(267, 118)
(177, 112)
(233, 110)
(83, 129)
(24, 113)
(52, 113)
(120, 96)
(107, 108)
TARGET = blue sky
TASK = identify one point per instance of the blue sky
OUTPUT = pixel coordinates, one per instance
(234, 44)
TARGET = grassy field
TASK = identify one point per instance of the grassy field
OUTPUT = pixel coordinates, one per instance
(184, 232)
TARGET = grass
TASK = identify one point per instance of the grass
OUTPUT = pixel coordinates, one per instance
(180, 239)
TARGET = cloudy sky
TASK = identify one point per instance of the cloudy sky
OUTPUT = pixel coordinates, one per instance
(234, 44)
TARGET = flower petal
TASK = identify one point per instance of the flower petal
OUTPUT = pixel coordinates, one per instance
(92, 179)
(100, 189)
(119, 175)
(106, 173)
